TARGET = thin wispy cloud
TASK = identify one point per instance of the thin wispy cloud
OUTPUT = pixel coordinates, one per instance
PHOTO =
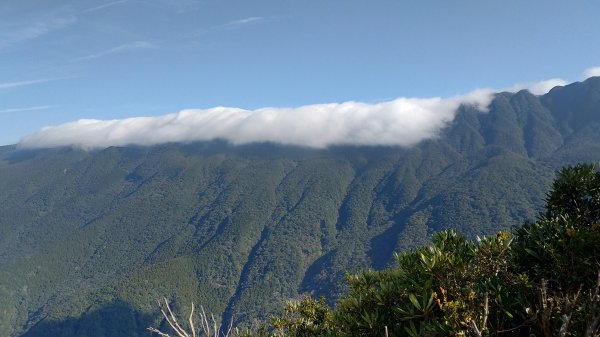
(25, 109)
(124, 48)
(237, 23)
(104, 6)
(244, 21)
(10, 85)
(11, 35)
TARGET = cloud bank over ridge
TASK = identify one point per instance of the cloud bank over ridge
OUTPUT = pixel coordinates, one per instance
(403, 121)
(399, 122)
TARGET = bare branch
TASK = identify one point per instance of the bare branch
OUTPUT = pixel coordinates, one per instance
(205, 326)
(475, 328)
(158, 332)
(191, 321)
(229, 328)
(486, 310)
(216, 329)
(593, 325)
(173, 322)
(210, 329)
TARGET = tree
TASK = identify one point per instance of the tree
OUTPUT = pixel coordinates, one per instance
(575, 194)
(452, 287)
(304, 318)
(560, 253)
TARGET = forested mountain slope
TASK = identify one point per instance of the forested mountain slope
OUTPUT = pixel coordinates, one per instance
(90, 240)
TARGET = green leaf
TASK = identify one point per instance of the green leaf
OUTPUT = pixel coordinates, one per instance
(415, 302)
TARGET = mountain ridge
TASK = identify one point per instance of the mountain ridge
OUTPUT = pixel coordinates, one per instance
(241, 228)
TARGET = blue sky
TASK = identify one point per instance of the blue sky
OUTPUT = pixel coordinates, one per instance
(62, 61)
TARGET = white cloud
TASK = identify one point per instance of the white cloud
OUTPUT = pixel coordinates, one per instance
(128, 47)
(10, 85)
(104, 6)
(544, 87)
(237, 23)
(591, 72)
(403, 122)
(538, 88)
(31, 108)
(244, 21)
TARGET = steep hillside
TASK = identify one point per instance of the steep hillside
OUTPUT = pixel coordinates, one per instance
(90, 240)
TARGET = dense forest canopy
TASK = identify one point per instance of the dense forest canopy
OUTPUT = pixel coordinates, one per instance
(543, 280)
(103, 234)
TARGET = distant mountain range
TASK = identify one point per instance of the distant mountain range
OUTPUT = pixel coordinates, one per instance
(90, 240)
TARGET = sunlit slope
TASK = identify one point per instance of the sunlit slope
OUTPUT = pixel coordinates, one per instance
(240, 229)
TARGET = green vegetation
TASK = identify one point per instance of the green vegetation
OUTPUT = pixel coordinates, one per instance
(243, 228)
(545, 282)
